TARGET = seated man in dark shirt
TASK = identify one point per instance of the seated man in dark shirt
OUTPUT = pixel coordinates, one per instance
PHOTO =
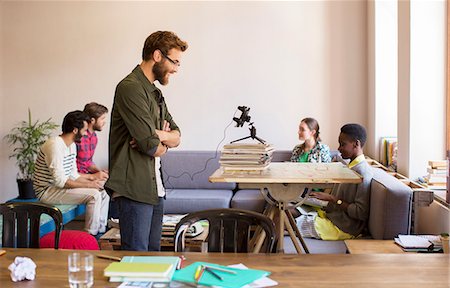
(347, 212)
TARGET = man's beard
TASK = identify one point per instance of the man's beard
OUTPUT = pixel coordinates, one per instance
(78, 137)
(97, 127)
(161, 74)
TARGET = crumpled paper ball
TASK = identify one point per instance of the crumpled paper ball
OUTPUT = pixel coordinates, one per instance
(22, 268)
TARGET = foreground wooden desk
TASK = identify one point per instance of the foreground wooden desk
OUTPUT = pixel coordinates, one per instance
(283, 183)
(371, 270)
(372, 246)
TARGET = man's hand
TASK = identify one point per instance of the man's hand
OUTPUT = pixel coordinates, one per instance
(96, 184)
(161, 135)
(133, 144)
(101, 175)
(166, 126)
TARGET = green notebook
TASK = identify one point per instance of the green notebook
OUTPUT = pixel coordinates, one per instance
(241, 278)
(172, 260)
(127, 269)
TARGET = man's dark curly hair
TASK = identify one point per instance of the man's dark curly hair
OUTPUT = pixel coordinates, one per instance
(355, 132)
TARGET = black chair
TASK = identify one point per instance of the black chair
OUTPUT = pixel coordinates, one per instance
(229, 230)
(21, 223)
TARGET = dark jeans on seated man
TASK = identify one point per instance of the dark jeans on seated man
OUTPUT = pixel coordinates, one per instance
(140, 224)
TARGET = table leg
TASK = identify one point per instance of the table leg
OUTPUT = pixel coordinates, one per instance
(260, 234)
(291, 234)
(297, 232)
(280, 245)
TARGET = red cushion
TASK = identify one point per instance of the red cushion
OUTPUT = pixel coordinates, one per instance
(70, 239)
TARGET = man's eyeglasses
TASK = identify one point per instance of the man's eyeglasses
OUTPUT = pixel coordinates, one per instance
(174, 62)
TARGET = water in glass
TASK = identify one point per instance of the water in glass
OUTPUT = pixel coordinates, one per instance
(81, 270)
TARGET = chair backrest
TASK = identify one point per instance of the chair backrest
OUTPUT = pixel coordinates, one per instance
(21, 223)
(229, 230)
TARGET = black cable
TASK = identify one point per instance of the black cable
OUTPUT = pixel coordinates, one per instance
(167, 181)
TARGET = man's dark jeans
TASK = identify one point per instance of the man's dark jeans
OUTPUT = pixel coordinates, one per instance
(140, 224)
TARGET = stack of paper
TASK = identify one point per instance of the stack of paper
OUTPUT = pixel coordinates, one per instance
(170, 221)
(246, 156)
(237, 279)
(414, 243)
(437, 174)
(142, 269)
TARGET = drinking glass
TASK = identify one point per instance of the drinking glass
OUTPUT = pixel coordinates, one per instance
(81, 270)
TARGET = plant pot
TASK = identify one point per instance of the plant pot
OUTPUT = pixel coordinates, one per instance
(26, 190)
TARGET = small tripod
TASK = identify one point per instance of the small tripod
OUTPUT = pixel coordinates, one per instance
(252, 135)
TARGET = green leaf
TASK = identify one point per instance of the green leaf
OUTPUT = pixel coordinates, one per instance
(25, 139)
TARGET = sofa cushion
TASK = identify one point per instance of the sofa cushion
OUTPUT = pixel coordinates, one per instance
(390, 206)
(248, 199)
(70, 239)
(181, 201)
(191, 170)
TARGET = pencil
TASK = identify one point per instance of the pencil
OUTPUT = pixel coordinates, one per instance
(220, 269)
(109, 257)
(213, 273)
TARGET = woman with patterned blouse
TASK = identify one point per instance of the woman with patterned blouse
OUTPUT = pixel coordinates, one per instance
(311, 150)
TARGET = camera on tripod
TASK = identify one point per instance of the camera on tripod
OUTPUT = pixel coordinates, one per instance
(244, 116)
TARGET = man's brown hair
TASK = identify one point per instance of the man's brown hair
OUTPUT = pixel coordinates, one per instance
(95, 110)
(162, 41)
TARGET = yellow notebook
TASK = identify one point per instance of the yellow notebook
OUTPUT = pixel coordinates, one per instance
(125, 269)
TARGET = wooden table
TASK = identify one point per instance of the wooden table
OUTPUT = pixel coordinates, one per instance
(370, 270)
(284, 183)
(372, 246)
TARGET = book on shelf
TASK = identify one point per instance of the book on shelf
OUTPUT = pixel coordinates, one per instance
(437, 164)
(388, 151)
(437, 186)
(142, 269)
(436, 179)
(437, 171)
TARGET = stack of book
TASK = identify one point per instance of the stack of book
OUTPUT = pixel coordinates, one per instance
(416, 243)
(388, 152)
(437, 174)
(142, 269)
(246, 156)
(171, 220)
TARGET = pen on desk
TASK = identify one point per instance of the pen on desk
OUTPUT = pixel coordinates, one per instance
(220, 269)
(109, 257)
(197, 272)
(181, 262)
(213, 273)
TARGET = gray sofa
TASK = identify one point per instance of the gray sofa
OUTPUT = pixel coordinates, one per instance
(186, 173)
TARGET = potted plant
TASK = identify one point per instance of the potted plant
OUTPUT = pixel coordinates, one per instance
(26, 138)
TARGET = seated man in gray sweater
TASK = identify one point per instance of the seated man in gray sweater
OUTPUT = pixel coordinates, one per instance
(347, 212)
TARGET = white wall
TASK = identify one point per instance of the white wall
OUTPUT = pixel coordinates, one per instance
(382, 87)
(285, 60)
(422, 84)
